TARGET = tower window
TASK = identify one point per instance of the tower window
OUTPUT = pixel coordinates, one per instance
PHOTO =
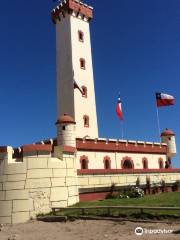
(82, 63)
(63, 128)
(84, 89)
(86, 121)
(81, 36)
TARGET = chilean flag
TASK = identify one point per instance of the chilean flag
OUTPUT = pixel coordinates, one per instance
(119, 108)
(163, 100)
(77, 86)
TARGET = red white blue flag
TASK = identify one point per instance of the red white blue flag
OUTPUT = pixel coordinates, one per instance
(163, 99)
(119, 109)
(76, 86)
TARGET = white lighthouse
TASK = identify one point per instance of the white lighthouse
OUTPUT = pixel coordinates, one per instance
(74, 65)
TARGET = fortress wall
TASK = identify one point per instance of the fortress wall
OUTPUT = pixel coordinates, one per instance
(35, 185)
(96, 159)
(92, 181)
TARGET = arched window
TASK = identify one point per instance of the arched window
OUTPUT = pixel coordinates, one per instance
(161, 163)
(81, 36)
(84, 162)
(127, 163)
(82, 63)
(145, 163)
(84, 90)
(86, 121)
(107, 162)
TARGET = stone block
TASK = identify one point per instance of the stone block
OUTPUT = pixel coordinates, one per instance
(22, 206)
(13, 185)
(5, 220)
(56, 163)
(16, 177)
(71, 172)
(71, 181)
(83, 181)
(72, 201)
(59, 204)
(115, 179)
(58, 182)
(5, 208)
(39, 173)
(94, 180)
(15, 168)
(38, 183)
(20, 217)
(70, 163)
(59, 194)
(37, 163)
(59, 172)
(1, 186)
(3, 178)
(72, 191)
(104, 180)
(17, 194)
(2, 195)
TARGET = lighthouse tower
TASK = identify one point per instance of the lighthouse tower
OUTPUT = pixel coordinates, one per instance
(75, 83)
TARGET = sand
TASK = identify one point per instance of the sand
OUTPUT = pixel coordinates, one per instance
(85, 229)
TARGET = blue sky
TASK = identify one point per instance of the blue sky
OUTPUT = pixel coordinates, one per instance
(136, 50)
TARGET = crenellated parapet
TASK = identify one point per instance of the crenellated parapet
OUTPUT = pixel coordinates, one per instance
(73, 7)
(117, 145)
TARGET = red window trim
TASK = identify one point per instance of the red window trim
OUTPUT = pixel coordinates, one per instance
(127, 158)
(82, 159)
(145, 161)
(107, 158)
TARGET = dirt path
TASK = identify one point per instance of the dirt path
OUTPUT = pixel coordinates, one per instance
(85, 230)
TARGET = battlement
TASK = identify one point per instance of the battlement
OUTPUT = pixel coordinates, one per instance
(74, 7)
(118, 145)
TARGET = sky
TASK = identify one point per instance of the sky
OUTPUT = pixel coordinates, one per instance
(136, 51)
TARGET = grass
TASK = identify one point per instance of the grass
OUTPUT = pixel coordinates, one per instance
(160, 200)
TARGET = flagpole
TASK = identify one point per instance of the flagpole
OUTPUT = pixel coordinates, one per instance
(122, 131)
(159, 132)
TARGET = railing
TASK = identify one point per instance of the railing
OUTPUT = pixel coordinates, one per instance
(83, 210)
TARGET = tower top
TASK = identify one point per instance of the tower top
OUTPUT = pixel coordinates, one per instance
(167, 132)
(73, 7)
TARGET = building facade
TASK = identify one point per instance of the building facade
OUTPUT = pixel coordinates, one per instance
(77, 165)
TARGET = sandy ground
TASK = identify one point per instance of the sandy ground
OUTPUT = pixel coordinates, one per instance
(88, 230)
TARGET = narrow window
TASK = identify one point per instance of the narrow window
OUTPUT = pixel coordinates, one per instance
(82, 63)
(107, 164)
(86, 121)
(161, 164)
(81, 36)
(63, 128)
(84, 91)
(145, 163)
(84, 164)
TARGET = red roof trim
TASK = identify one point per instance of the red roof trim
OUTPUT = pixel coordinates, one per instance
(90, 145)
(69, 149)
(3, 149)
(37, 148)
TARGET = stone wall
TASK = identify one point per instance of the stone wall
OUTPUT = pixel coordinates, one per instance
(35, 185)
(95, 181)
